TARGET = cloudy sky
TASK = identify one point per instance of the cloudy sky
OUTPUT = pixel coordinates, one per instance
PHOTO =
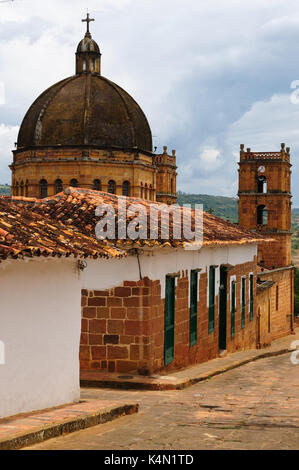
(209, 74)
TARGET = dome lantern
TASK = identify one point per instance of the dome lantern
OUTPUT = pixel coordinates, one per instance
(88, 56)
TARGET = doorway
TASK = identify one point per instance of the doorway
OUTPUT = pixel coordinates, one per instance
(222, 308)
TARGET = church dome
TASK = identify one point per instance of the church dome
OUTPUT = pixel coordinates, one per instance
(86, 109)
(88, 45)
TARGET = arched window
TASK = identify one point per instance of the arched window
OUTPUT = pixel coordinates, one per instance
(58, 186)
(93, 63)
(84, 65)
(17, 189)
(43, 188)
(145, 191)
(262, 184)
(111, 187)
(126, 188)
(262, 215)
(26, 188)
(74, 183)
(150, 195)
(97, 185)
(172, 186)
(22, 188)
(141, 190)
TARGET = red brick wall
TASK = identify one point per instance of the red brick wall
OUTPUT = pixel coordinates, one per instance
(123, 327)
(118, 326)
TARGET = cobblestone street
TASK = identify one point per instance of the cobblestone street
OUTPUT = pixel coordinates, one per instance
(253, 407)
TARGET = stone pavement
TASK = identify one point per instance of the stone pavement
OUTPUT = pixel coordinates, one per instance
(29, 428)
(185, 377)
(252, 407)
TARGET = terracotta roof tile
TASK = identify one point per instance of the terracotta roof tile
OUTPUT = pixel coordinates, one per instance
(76, 207)
(26, 233)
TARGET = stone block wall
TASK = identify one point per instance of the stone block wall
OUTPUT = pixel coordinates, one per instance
(277, 305)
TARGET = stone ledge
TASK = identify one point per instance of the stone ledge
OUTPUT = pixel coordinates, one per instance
(33, 430)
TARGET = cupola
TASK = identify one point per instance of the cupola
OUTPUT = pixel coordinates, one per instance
(88, 56)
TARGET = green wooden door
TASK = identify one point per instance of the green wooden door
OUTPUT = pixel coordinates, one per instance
(193, 307)
(243, 301)
(222, 308)
(211, 299)
(169, 319)
(251, 297)
(233, 308)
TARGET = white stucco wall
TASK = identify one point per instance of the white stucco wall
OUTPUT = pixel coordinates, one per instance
(40, 317)
(155, 265)
(40, 324)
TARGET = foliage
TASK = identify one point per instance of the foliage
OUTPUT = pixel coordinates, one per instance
(4, 190)
(224, 207)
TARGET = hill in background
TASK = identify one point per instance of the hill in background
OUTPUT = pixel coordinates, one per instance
(5, 190)
(224, 207)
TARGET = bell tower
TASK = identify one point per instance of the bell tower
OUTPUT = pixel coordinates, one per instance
(265, 202)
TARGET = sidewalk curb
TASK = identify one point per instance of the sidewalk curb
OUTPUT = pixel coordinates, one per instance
(180, 385)
(66, 427)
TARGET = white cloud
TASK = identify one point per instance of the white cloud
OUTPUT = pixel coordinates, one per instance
(8, 134)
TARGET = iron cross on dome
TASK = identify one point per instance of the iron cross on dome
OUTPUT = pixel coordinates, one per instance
(88, 20)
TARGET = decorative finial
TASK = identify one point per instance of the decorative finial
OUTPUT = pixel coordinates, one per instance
(88, 20)
(283, 146)
(242, 147)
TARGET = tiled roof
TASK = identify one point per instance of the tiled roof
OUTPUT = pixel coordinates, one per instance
(25, 233)
(76, 207)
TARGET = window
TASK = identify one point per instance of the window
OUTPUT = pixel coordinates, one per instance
(126, 188)
(22, 188)
(233, 307)
(251, 296)
(193, 306)
(74, 183)
(277, 297)
(141, 191)
(43, 188)
(262, 184)
(145, 192)
(172, 186)
(58, 186)
(243, 300)
(97, 185)
(26, 188)
(212, 298)
(17, 189)
(84, 65)
(111, 187)
(262, 215)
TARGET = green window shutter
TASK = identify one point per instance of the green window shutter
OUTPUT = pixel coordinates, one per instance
(211, 299)
(193, 307)
(243, 296)
(251, 297)
(233, 308)
(169, 319)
